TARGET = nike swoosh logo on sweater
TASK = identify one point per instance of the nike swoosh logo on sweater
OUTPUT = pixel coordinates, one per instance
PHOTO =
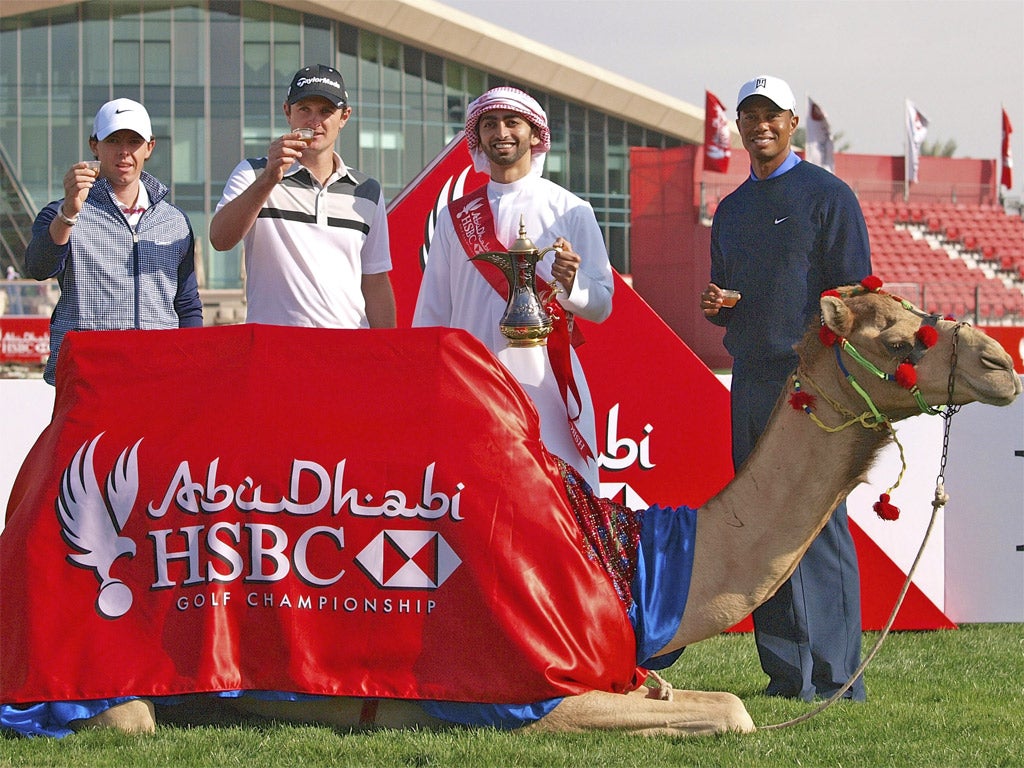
(779, 221)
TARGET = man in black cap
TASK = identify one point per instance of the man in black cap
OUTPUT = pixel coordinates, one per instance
(317, 251)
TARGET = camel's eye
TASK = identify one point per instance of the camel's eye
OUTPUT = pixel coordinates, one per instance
(899, 349)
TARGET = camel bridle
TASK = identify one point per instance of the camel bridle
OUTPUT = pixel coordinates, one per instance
(913, 358)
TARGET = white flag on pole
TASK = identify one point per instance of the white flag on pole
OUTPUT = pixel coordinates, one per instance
(820, 145)
(917, 129)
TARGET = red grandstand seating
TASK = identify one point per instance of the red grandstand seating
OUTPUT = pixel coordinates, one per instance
(948, 284)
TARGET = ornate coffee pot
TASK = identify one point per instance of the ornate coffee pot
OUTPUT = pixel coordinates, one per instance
(526, 323)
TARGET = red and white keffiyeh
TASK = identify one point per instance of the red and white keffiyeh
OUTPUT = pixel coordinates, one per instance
(515, 100)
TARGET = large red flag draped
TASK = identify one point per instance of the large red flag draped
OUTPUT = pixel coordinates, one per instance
(1006, 178)
(717, 143)
(199, 517)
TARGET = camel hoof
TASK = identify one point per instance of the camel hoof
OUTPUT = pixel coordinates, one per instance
(135, 716)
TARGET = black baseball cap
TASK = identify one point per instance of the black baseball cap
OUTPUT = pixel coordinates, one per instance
(318, 80)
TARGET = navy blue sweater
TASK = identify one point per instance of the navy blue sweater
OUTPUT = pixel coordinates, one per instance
(780, 242)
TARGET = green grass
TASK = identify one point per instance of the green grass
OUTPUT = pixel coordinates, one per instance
(947, 698)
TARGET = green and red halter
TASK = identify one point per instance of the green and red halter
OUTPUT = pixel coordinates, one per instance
(905, 376)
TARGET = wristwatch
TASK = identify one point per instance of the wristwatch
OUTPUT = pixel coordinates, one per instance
(66, 219)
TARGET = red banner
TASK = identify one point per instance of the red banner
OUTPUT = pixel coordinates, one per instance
(717, 143)
(201, 517)
(24, 339)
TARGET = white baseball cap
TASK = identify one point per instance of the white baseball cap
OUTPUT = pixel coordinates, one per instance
(772, 88)
(120, 115)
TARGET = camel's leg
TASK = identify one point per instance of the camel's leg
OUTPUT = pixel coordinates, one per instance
(689, 713)
(341, 712)
(135, 716)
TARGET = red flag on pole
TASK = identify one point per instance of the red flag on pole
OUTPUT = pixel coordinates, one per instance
(1006, 178)
(716, 135)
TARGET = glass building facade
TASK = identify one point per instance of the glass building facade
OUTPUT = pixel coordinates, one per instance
(213, 76)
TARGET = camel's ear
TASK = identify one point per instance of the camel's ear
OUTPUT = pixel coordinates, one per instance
(836, 315)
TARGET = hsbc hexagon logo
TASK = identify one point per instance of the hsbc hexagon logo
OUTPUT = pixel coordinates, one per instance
(408, 559)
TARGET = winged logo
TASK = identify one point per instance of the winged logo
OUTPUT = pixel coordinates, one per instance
(453, 189)
(91, 523)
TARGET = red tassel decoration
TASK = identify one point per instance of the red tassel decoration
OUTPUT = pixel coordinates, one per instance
(801, 401)
(871, 282)
(827, 336)
(927, 335)
(885, 510)
(906, 375)
(833, 293)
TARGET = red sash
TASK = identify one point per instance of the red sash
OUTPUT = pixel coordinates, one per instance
(474, 225)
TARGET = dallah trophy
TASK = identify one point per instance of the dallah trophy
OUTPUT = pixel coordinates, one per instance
(526, 323)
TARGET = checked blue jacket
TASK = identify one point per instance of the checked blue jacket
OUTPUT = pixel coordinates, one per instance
(113, 277)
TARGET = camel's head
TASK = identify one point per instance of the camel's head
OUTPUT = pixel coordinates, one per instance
(903, 357)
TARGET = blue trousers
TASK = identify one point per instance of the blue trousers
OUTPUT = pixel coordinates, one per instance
(808, 634)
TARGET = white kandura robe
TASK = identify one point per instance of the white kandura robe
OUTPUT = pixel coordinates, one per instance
(454, 294)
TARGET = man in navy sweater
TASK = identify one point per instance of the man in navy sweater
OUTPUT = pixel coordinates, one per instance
(789, 232)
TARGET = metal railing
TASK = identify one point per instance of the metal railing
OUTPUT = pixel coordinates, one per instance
(17, 212)
(28, 298)
(974, 303)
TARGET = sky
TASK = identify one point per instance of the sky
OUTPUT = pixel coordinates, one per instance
(959, 61)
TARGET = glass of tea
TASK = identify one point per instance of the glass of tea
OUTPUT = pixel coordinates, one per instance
(729, 297)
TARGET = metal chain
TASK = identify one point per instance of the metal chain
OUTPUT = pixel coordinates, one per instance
(947, 414)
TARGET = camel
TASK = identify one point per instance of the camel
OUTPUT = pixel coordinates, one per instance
(819, 444)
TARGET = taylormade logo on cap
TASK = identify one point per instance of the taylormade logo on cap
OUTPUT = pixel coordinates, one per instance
(302, 82)
(772, 88)
(323, 81)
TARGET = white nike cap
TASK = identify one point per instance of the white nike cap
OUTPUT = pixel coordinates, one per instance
(120, 115)
(772, 88)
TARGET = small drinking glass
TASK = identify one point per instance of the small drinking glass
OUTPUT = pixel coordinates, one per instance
(94, 166)
(730, 297)
(305, 134)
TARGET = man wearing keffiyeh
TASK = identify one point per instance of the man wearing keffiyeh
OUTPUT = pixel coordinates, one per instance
(508, 136)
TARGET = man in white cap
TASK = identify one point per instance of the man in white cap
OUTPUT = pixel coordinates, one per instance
(508, 136)
(791, 231)
(123, 254)
(317, 251)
